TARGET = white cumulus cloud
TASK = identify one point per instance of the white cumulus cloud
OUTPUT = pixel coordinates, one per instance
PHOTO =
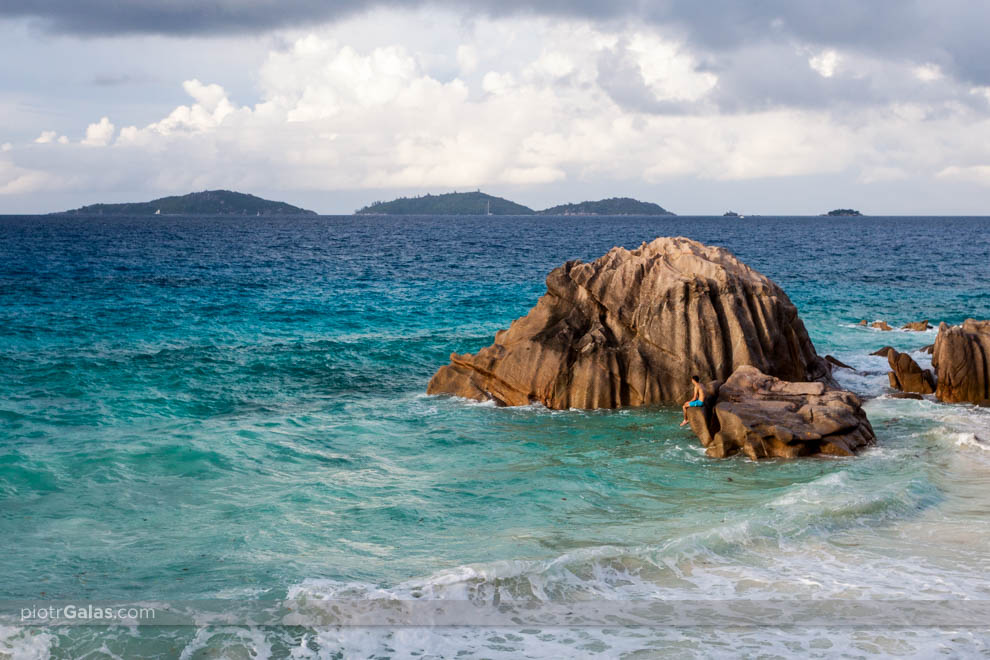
(99, 134)
(825, 63)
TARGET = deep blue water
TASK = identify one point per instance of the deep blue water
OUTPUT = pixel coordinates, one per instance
(234, 408)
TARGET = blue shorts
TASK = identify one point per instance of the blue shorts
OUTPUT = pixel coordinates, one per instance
(696, 404)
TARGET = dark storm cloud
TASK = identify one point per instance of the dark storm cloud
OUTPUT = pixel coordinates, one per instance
(949, 32)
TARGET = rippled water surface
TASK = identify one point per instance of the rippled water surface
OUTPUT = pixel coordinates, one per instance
(234, 408)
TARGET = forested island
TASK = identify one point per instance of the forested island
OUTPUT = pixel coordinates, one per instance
(611, 206)
(479, 203)
(455, 203)
(843, 213)
(208, 202)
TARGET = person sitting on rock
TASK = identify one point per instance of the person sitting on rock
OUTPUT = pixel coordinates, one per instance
(697, 401)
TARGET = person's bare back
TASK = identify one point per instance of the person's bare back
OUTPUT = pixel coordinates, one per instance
(697, 400)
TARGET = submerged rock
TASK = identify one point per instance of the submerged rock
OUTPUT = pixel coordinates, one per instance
(766, 417)
(907, 376)
(837, 363)
(917, 326)
(961, 359)
(632, 327)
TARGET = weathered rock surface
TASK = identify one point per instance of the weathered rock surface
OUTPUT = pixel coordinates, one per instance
(881, 325)
(905, 374)
(961, 359)
(632, 327)
(765, 417)
(917, 326)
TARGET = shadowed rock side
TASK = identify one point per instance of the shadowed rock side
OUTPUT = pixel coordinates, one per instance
(632, 327)
(907, 376)
(961, 359)
(702, 419)
(765, 417)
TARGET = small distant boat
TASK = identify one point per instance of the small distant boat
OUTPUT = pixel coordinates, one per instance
(732, 214)
(158, 212)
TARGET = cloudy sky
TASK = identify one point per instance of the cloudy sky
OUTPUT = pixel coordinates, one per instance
(778, 106)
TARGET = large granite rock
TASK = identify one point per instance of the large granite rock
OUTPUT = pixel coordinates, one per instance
(905, 374)
(961, 359)
(632, 327)
(765, 417)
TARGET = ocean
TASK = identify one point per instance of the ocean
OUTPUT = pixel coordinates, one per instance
(234, 409)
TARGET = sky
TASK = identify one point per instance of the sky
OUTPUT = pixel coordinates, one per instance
(769, 107)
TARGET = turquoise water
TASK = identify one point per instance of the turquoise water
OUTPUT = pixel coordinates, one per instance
(234, 408)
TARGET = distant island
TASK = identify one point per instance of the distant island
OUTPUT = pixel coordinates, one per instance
(611, 206)
(208, 202)
(470, 203)
(731, 214)
(844, 213)
(479, 203)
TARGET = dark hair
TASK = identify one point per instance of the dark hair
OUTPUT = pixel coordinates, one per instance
(695, 379)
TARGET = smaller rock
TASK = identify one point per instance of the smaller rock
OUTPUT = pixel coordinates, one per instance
(907, 376)
(906, 395)
(917, 326)
(863, 323)
(831, 360)
(883, 351)
(881, 325)
(930, 349)
(765, 417)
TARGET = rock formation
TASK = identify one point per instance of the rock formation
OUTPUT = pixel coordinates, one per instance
(883, 352)
(905, 374)
(917, 326)
(881, 325)
(961, 359)
(765, 417)
(632, 327)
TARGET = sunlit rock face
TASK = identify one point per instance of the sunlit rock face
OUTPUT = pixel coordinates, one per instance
(961, 358)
